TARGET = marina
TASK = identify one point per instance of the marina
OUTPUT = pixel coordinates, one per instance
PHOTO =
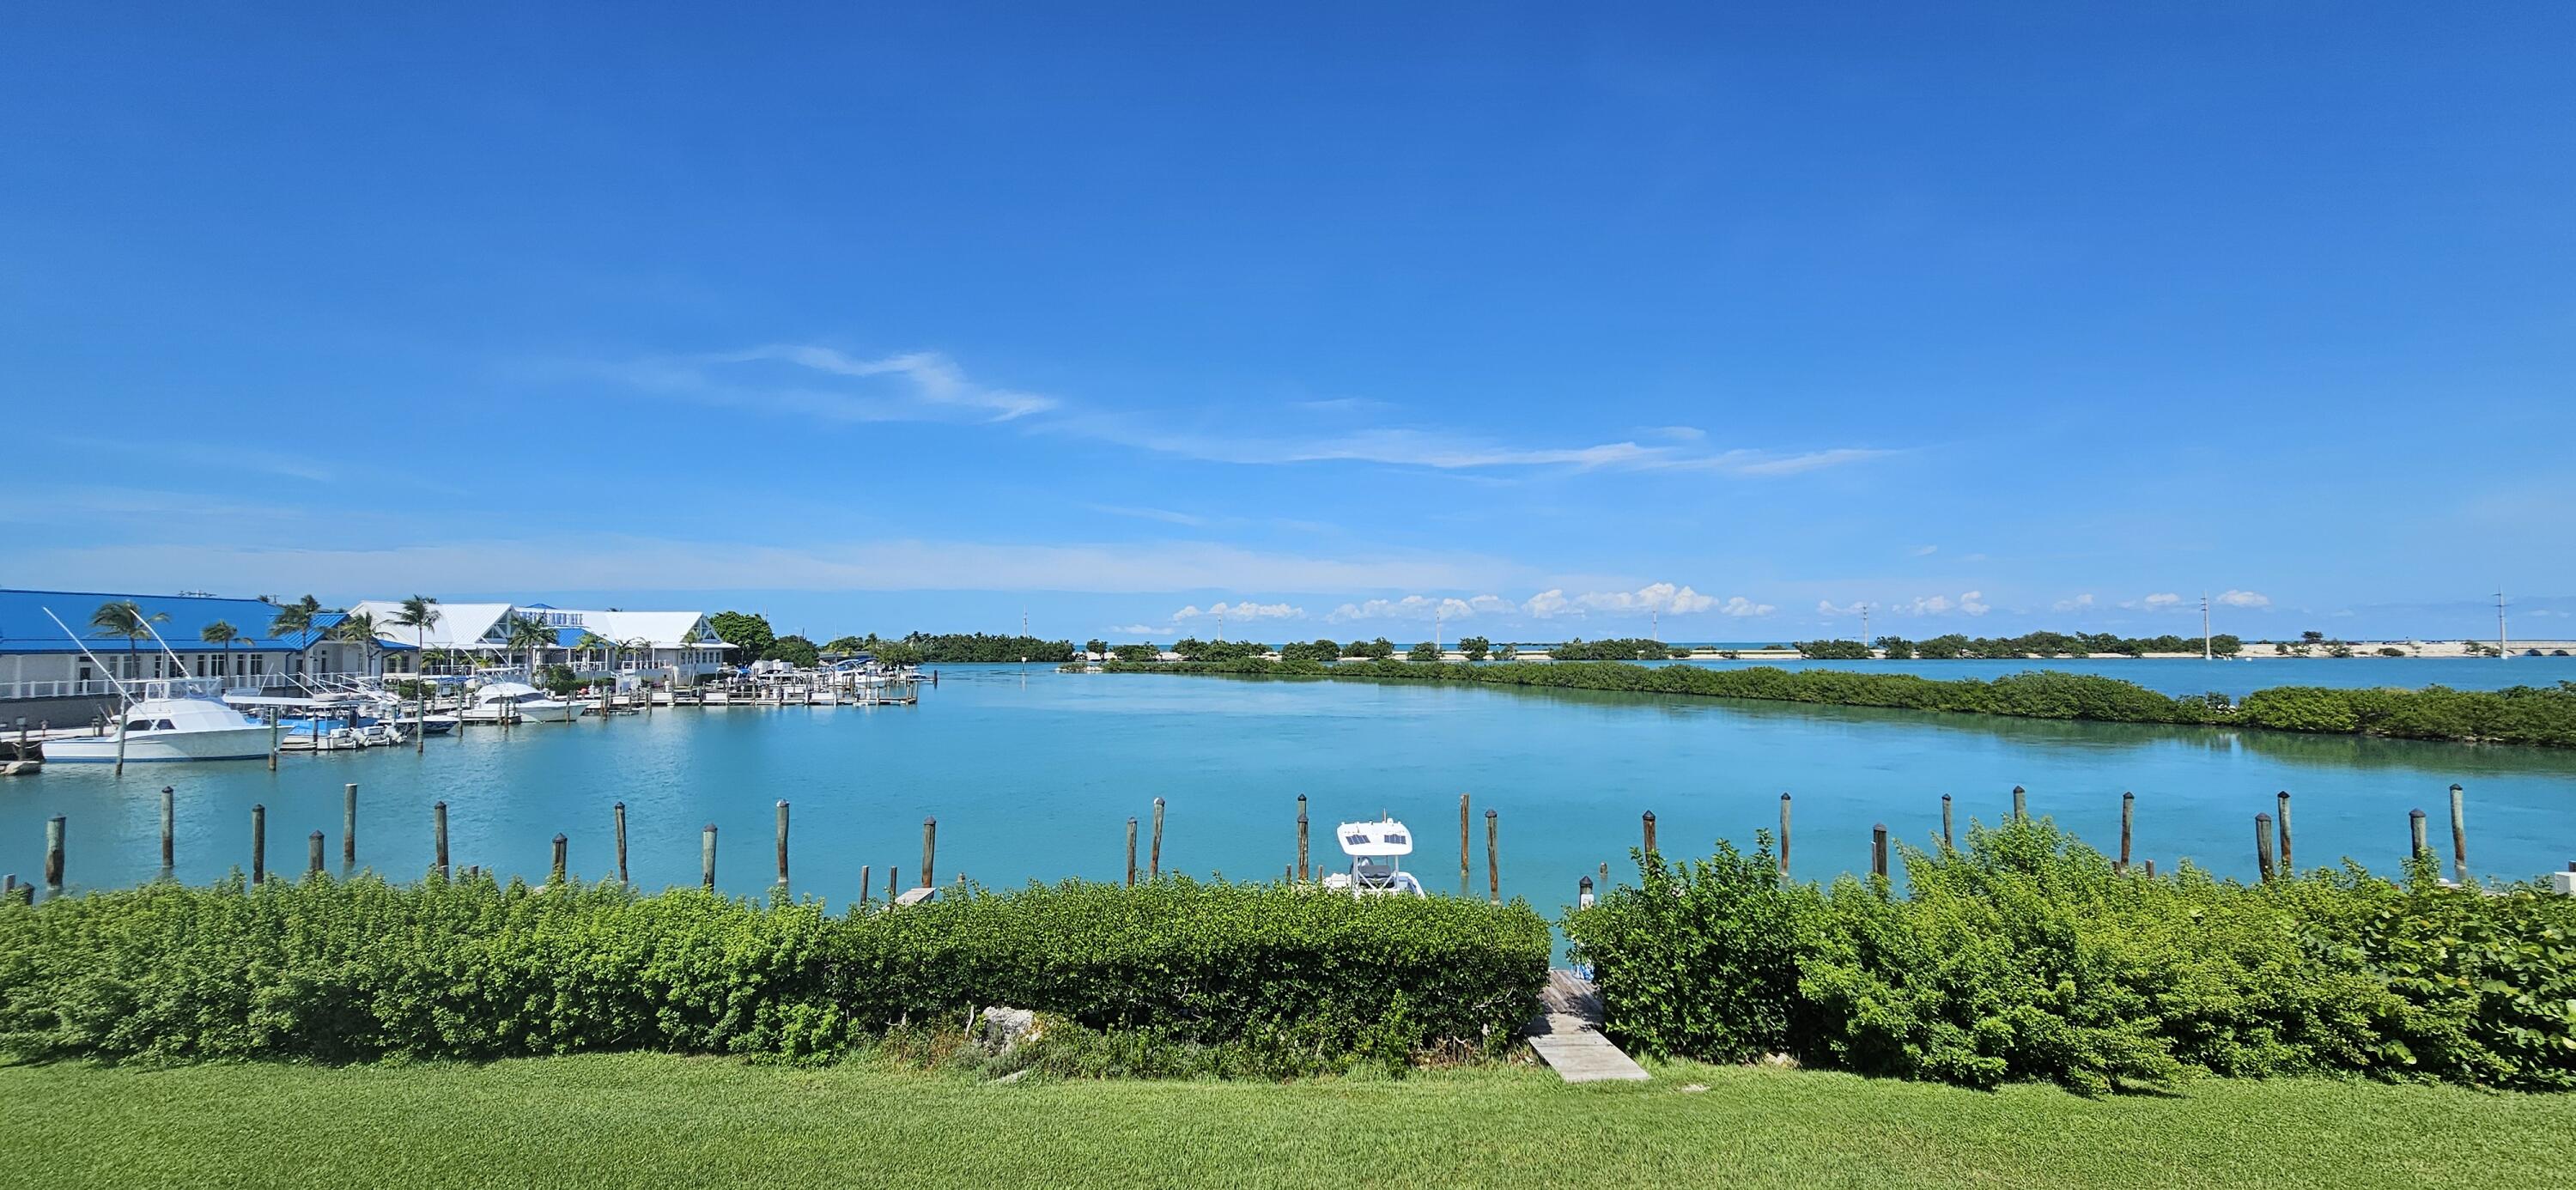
(1033, 774)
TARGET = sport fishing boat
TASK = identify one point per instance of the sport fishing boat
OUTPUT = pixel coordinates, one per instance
(178, 719)
(1373, 848)
(519, 702)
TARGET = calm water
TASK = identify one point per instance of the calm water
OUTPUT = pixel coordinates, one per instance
(1034, 778)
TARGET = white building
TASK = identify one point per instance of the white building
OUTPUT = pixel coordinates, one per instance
(677, 645)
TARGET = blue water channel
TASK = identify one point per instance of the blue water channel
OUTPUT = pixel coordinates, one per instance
(1033, 776)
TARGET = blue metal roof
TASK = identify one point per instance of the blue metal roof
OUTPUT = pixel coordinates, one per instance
(24, 628)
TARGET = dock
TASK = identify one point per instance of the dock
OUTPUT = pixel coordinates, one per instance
(1567, 1034)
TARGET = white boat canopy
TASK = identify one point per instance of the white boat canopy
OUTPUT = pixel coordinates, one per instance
(1383, 837)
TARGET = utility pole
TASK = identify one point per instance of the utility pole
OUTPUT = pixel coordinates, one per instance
(1655, 623)
(1864, 625)
(2500, 626)
(2204, 626)
(1220, 624)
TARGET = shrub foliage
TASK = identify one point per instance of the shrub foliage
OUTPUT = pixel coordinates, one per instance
(2516, 715)
(361, 969)
(2026, 955)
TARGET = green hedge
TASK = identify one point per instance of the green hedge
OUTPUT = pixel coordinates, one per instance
(2517, 715)
(2024, 955)
(359, 970)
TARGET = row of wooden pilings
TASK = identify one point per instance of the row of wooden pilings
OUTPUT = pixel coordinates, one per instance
(2273, 844)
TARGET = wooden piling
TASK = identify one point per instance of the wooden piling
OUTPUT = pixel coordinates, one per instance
(54, 855)
(893, 877)
(1131, 851)
(2151, 869)
(707, 857)
(313, 855)
(1493, 859)
(2281, 824)
(929, 850)
(865, 873)
(561, 846)
(2021, 804)
(2418, 847)
(621, 844)
(438, 839)
(1154, 857)
(349, 825)
(272, 739)
(1784, 836)
(2263, 844)
(1878, 850)
(2128, 823)
(2459, 837)
(1466, 849)
(1301, 837)
(782, 841)
(1945, 822)
(1650, 832)
(258, 844)
(169, 830)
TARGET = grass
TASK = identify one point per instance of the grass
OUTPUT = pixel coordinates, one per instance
(637, 1119)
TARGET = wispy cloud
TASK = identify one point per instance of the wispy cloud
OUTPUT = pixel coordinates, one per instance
(1165, 515)
(1241, 611)
(613, 563)
(2236, 598)
(828, 384)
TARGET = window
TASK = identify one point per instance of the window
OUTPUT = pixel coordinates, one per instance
(259, 663)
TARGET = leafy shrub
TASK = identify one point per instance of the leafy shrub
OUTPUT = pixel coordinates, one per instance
(2516, 715)
(2025, 955)
(359, 970)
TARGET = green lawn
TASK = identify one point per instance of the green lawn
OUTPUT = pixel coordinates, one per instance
(642, 1119)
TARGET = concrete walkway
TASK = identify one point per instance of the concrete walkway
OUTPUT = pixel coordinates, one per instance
(1567, 1034)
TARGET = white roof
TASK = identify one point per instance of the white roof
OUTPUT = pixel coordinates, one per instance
(1383, 837)
(466, 625)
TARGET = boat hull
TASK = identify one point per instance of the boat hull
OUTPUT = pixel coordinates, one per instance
(156, 747)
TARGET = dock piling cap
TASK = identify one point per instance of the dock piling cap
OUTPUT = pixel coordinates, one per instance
(1385, 836)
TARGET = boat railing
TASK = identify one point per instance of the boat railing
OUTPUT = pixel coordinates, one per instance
(110, 687)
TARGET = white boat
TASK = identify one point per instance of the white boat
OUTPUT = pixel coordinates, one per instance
(174, 720)
(1373, 848)
(519, 702)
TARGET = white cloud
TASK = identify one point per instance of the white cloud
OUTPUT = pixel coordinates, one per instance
(1546, 604)
(2162, 600)
(1411, 607)
(831, 385)
(1165, 515)
(1926, 551)
(2236, 598)
(1653, 597)
(2079, 603)
(612, 563)
(1827, 607)
(1242, 610)
(1741, 606)
(1973, 603)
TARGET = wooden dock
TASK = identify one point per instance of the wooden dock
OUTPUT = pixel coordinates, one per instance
(1567, 1034)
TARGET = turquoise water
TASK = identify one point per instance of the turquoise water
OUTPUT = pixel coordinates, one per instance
(1034, 777)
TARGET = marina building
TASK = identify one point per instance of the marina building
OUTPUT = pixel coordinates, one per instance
(48, 672)
(676, 645)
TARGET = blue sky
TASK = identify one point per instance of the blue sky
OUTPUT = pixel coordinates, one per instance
(1989, 317)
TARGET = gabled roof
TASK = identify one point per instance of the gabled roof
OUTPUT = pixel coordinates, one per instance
(458, 623)
(488, 624)
(24, 628)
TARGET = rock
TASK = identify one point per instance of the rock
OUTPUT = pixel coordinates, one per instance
(1000, 1030)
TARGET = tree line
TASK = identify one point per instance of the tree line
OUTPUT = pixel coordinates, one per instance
(2543, 715)
(753, 640)
(1954, 646)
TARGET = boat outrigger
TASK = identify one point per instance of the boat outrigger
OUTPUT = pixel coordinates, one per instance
(1373, 848)
(174, 719)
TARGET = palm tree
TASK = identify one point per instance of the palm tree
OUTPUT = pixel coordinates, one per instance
(121, 617)
(532, 635)
(297, 617)
(606, 648)
(359, 628)
(221, 633)
(419, 613)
